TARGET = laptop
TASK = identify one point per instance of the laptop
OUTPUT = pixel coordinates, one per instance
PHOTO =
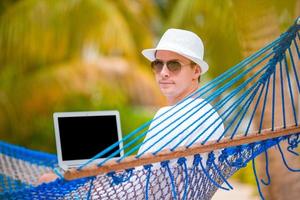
(81, 135)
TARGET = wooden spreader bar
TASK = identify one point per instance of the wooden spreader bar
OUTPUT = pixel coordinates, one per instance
(149, 158)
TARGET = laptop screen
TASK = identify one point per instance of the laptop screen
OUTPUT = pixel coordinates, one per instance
(82, 137)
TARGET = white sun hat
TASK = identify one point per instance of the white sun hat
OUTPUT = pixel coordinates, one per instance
(185, 43)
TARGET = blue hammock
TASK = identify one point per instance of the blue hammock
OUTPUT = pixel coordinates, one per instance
(259, 93)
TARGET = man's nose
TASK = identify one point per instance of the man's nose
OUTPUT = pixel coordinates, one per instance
(165, 71)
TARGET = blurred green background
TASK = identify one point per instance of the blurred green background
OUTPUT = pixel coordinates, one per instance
(80, 55)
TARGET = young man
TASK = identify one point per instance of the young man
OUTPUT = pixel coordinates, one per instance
(177, 63)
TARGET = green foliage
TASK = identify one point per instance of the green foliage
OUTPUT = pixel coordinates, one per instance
(39, 41)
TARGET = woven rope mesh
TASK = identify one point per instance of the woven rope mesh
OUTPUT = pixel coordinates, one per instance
(19, 177)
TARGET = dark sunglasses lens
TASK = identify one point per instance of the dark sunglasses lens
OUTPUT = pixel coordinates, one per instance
(174, 66)
(157, 66)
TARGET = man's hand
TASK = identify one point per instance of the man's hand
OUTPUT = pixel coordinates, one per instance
(47, 178)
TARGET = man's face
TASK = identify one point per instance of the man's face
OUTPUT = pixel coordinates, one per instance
(176, 85)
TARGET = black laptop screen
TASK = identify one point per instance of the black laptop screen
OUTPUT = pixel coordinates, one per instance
(85, 136)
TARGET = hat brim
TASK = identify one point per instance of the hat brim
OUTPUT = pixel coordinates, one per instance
(150, 55)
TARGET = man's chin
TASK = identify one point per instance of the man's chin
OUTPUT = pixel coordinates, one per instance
(167, 92)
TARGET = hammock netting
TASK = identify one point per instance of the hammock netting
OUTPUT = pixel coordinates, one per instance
(259, 93)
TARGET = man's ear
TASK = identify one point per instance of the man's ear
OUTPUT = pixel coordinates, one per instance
(197, 71)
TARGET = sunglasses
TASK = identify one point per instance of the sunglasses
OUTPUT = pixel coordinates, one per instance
(173, 66)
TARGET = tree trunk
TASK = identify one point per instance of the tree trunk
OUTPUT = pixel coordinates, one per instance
(255, 31)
